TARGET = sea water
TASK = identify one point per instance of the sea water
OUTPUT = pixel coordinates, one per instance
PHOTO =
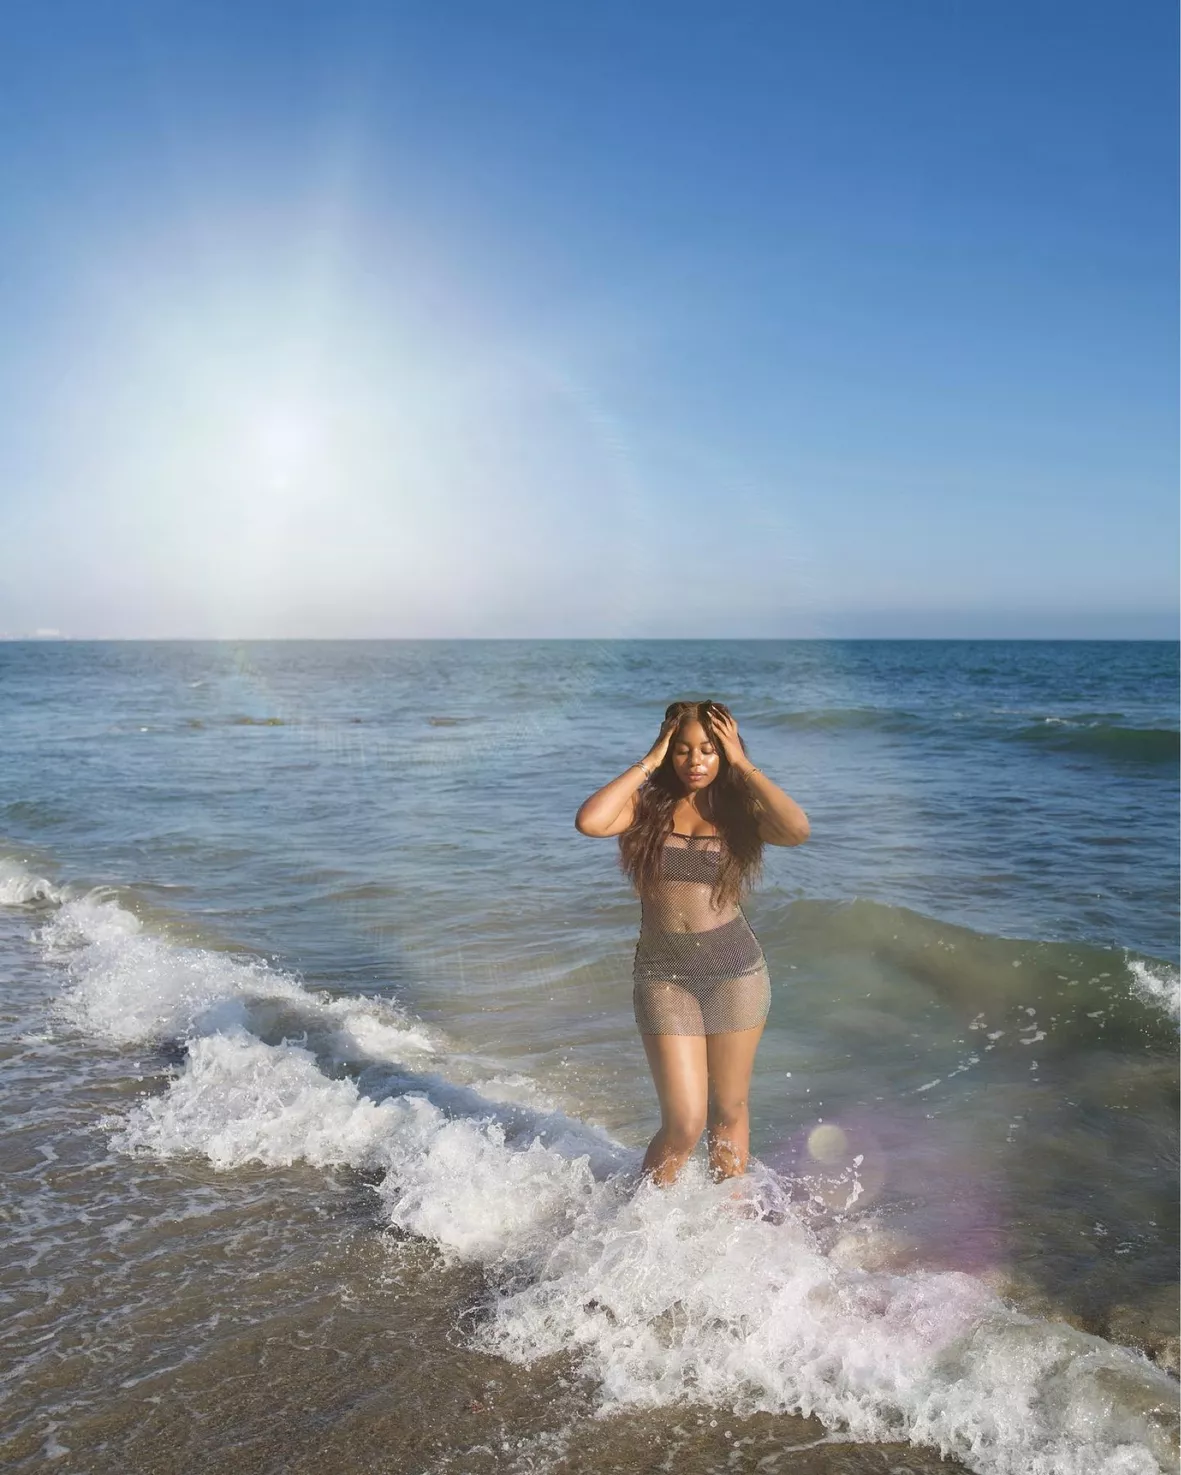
(324, 1103)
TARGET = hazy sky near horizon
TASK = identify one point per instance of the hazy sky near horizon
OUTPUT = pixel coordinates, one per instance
(847, 317)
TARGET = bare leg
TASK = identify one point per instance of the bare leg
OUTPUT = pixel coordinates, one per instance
(730, 1060)
(678, 1064)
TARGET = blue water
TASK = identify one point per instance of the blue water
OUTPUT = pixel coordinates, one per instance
(1025, 788)
(973, 958)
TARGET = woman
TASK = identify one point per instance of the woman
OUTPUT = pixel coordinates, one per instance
(692, 818)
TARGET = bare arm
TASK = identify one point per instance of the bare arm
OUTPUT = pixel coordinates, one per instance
(611, 809)
(781, 820)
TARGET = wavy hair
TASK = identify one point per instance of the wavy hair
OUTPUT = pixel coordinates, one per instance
(732, 809)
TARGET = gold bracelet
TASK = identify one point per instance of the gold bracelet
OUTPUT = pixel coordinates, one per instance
(747, 772)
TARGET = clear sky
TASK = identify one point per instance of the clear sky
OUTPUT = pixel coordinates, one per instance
(522, 317)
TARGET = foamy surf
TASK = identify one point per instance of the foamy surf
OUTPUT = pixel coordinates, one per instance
(663, 1297)
(1157, 985)
(22, 887)
(128, 985)
(673, 1298)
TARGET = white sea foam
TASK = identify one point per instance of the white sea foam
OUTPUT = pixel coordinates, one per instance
(663, 1296)
(241, 1101)
(127, 984)
(1157, 984)
(671, 1297)
(20, 886)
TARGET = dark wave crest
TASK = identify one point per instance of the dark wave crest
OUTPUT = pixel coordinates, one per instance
(1106, 740)
(880, 719)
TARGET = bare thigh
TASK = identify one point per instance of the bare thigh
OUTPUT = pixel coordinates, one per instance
(730, 1060)
(680, 1070)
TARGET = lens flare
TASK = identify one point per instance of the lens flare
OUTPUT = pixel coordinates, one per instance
(827, 1143)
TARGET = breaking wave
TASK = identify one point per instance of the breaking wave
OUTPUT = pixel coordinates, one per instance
(717, 1294)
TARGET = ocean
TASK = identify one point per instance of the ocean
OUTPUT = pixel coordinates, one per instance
(324, 1103)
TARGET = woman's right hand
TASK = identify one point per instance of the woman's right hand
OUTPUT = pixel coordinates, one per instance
(658, 750)
(611, 809)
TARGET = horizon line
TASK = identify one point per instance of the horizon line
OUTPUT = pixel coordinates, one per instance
(576, 639)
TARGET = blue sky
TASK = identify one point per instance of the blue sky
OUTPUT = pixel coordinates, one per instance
(848, 317)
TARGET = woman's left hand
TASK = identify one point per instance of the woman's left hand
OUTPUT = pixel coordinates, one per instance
(726, 730)
(781, 820)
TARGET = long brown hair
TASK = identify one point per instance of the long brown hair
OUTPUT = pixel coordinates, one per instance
(731, 808)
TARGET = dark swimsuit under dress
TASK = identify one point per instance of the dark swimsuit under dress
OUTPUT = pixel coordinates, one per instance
(699, 969)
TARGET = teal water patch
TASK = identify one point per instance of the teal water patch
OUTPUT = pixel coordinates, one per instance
(1105, 740)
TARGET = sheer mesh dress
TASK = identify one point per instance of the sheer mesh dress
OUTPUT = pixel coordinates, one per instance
(699, 969)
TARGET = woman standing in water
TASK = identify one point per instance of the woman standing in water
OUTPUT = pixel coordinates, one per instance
(692, 818)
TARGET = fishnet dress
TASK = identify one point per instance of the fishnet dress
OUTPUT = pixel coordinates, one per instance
(699, 969)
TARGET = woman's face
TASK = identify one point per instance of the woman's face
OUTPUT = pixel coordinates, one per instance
(694, 757)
